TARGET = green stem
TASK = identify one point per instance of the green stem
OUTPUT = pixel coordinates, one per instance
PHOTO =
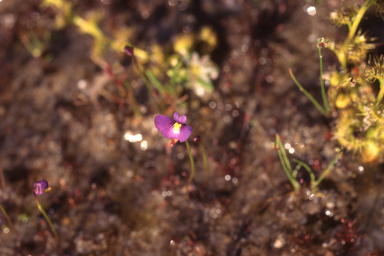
(357, 20)
(47, 218)
(323, 94)
(326, 171)
(8, 219)
(317, 105)
(205, 160)
(192, 162)
(381, 92)
(342, 56)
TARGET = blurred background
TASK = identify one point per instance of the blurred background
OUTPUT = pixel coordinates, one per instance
(76, 110)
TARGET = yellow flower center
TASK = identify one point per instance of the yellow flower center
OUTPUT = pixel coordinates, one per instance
(176, 128)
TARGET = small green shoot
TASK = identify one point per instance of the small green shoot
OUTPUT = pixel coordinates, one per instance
(292, 174)
(285, 163)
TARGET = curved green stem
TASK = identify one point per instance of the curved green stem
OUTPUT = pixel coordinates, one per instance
(47, 218)
(192, 162)
(310, 97)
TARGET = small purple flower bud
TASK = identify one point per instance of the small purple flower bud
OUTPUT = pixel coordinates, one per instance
(129, 50)
(40, 186)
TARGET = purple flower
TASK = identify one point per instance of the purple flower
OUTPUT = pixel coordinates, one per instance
(173, 129)
(40, 186)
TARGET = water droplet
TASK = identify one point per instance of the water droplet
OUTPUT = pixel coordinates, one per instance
(311, 10)
(144, 145)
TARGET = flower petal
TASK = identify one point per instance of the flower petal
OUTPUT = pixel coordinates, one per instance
(185, 132)
(176, 116)
(40, 186)
(165, 125)
(182, 119)
(129, 50)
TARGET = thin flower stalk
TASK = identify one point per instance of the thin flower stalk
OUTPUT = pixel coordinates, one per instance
(39, 188)
(177, 130)
(323, 94)
(47, 218)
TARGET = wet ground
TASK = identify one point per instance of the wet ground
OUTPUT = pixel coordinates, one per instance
(110, 196)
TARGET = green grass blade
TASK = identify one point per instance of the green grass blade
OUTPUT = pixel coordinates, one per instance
(284, 155)
(327, 170)
(156, 83)
(310, 97)
(311, 174)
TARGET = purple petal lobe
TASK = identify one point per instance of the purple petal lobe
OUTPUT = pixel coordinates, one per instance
(39, 187)
(176, 116)
(185, 132)
(165, 125)
(129, 50)
(182, 119)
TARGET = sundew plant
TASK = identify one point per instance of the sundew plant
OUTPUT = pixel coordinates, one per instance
(358, 109)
